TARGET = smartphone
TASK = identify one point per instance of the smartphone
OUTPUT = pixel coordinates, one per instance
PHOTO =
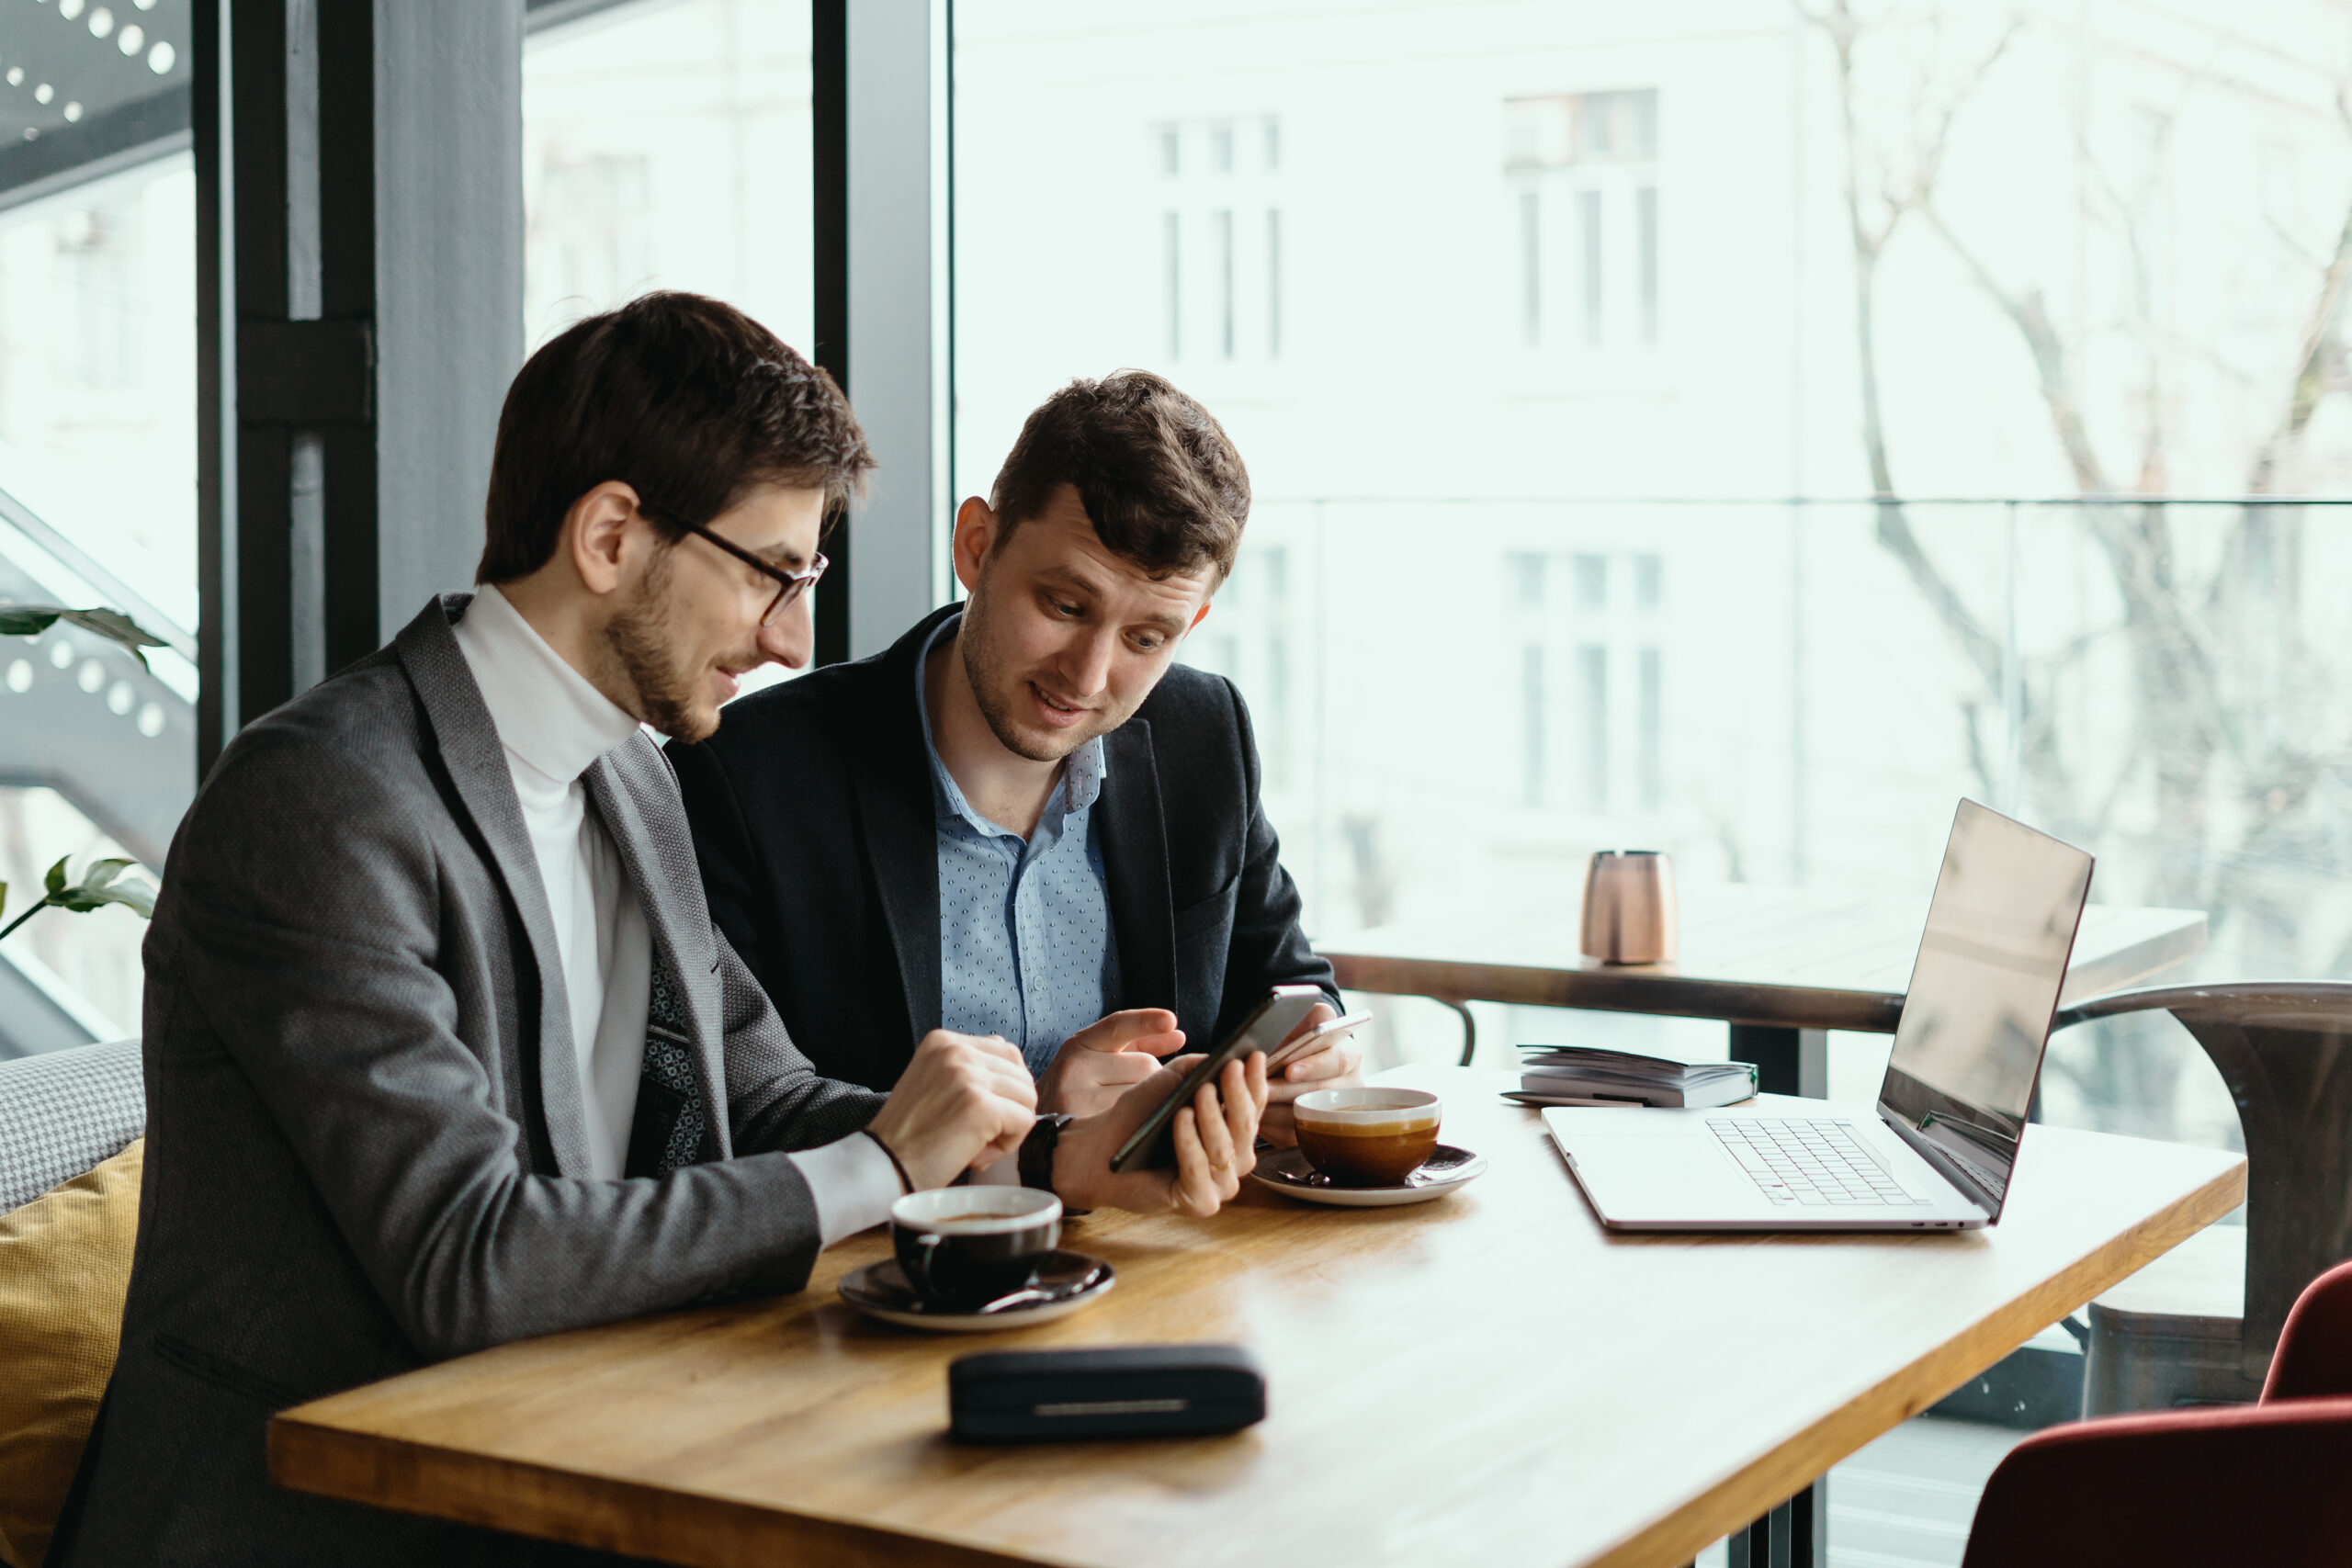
(1315, 1040)
(1153, 1144)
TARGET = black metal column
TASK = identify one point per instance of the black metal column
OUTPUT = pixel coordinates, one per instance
(1787, 1061)
(829, 134)
(1774, 1052)
(1795, 1535)
(360, 314)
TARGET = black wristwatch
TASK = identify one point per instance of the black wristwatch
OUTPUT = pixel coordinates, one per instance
(1036, 1160)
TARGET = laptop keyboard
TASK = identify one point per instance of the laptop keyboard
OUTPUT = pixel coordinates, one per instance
(1806, 1162)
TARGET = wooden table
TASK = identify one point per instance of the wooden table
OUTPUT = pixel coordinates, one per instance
(1770, 961)
(1490, 1378)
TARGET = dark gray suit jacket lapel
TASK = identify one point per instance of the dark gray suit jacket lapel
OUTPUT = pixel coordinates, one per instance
(618, 783)
(475, 762)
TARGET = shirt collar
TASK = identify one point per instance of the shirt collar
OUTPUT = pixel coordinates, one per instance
(1082, 774)
(547, 713)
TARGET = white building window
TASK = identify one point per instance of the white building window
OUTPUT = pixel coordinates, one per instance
(1582, 172)
(1221, 238)
(1585, 639)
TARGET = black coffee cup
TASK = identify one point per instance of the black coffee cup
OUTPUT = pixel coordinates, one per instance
(961, 1247)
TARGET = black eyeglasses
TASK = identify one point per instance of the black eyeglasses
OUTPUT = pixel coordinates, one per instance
(790, 585)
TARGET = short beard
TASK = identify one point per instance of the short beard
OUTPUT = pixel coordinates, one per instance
(982, 669)
(640, 636)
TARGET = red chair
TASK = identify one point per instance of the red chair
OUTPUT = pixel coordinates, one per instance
(2250, 1484)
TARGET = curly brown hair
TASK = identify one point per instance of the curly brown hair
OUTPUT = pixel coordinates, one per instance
(1157, 474)
(686, 400)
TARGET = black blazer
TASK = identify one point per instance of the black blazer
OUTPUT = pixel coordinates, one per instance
(812, 816)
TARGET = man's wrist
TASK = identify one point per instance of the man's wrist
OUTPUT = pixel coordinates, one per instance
(906, 1182)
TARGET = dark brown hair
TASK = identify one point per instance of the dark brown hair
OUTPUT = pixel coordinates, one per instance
(684, 399)
(1159, 479)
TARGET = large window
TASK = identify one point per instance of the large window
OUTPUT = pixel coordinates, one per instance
(98, 490)
(1598, 328)
(666, 145)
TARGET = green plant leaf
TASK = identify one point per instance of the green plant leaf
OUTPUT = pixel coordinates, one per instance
(118, 627)
(102, 885)
(136, 897)
(31, 620)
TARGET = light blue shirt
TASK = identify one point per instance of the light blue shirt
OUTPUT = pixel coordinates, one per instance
(1024, 927)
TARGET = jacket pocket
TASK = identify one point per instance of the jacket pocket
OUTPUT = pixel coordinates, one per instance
(223, 1373)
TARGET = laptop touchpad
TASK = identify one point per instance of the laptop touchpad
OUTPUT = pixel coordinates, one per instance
(1666, 1177)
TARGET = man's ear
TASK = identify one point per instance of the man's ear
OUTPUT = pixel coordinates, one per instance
(976, 534)
(595, 537)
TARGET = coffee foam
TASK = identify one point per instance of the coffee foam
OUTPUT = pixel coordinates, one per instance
(1418, 1120)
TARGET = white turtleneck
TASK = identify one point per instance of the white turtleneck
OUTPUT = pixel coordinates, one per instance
(554, 724)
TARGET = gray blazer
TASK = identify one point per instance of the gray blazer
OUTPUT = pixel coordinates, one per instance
(366, 1148)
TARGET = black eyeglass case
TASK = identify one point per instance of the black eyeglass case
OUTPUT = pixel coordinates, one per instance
(1125, 1391)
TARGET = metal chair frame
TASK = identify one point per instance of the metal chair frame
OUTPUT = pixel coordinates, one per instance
(2284, 1050)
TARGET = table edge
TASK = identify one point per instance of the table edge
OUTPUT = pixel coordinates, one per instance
(548, 1502)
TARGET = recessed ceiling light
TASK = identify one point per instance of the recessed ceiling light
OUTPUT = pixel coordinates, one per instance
(73, 113)
(69, 9)
(101, 22)
(131, 40)
(43, 92)
(160, 58)
(15, 76)
(144, 4)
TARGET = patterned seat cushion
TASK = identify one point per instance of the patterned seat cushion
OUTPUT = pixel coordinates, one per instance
(62, 1113)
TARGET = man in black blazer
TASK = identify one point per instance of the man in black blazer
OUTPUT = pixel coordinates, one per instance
(1089, 808)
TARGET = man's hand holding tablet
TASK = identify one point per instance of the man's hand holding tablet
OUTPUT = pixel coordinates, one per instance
(1182, 1136)
(1106, 1059)
(1214, 1133)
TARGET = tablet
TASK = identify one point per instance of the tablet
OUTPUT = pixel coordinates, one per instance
(1152, 1146)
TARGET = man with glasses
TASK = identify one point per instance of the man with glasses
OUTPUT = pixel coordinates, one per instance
(442, 1048)
(1035, 823)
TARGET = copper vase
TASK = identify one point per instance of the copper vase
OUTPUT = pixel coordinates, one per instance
(1629, 912)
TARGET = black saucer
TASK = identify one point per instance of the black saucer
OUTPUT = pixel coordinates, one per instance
(1065, 1281)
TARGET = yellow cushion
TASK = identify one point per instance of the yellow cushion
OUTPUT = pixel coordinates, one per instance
(64, 1267)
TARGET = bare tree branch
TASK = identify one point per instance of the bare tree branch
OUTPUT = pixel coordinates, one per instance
(1893, 524)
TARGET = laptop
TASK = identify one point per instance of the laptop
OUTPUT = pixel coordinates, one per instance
(1967, 1051)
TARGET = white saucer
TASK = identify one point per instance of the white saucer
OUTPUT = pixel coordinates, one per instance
(1447, 1168)
(1067, 1281)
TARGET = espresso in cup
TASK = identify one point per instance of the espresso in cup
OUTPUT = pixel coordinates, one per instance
(1366, 1136)
(961, 1247)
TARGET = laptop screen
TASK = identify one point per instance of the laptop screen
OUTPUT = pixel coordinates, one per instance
(1984, 989)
